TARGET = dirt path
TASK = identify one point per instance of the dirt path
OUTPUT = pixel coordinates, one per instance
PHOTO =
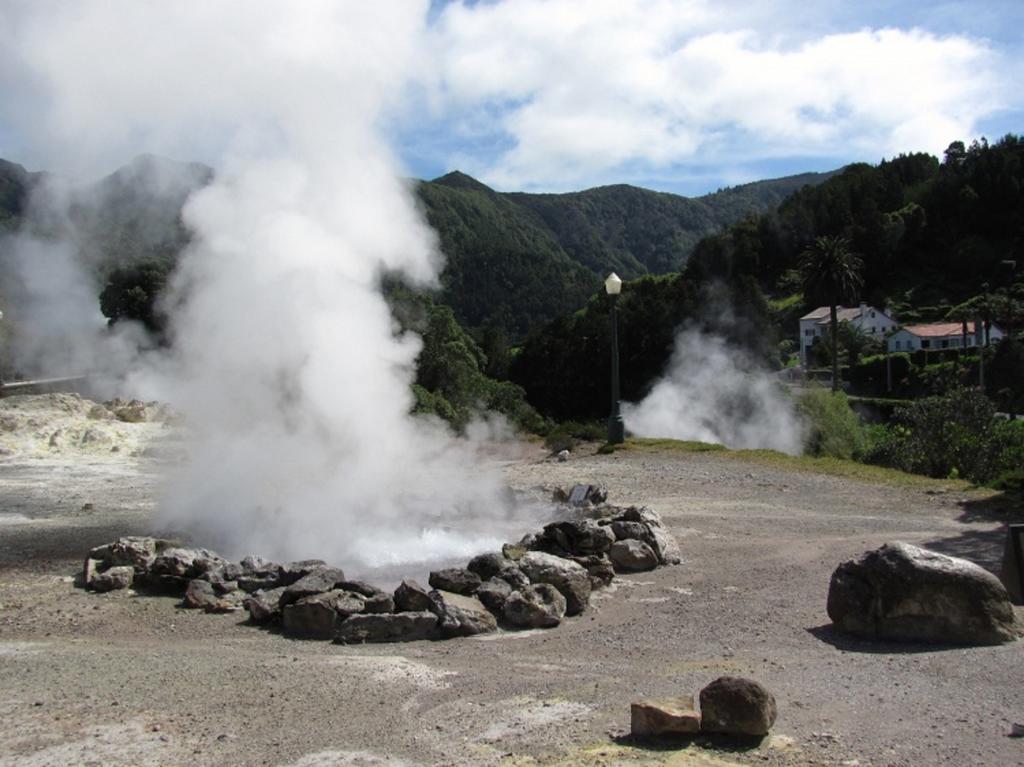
(125, 680)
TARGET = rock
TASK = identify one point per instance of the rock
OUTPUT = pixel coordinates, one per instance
(658, 538)
(137, 551)
(184, 563)
(630, 530)
(265, 606)
(459, 615)
(581, 537)
(90, 570)
(737, 706)
(905, 593)
(396, 627)
(599, 569)
(632, 556)
(221, 579)
(411, 597)
(317, 581)
(317, 616)
(493, 593)
(455, 580)
(202, 595)
(490, 565)
(673, 716)
(375, 600)
(566, 576)
(563, 455)
(120, 577)
(540, 605)
(293, 571)
(580, 495)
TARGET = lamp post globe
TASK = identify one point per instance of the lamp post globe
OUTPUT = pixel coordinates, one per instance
(616, 429)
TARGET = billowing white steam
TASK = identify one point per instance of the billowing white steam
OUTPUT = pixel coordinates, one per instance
(286, 360)
(713, 392)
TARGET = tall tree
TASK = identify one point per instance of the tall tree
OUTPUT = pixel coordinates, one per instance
(831, 276)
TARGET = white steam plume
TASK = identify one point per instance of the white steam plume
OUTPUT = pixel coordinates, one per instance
(713, 392)
(287, 363)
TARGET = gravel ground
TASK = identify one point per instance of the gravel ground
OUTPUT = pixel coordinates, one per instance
(122, 679)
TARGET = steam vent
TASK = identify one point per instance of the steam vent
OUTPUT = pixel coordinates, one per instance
(536, 583)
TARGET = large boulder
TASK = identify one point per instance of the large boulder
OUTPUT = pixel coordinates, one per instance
(395, 627)
(317, 616)
(737, 706)
(632, 556)
(459, 615)
(566, 576)
(905, 593)
(599, 568)
(540, 605)
(490, 565)
(456, 580)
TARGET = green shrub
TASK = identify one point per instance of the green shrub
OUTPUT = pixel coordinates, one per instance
(832, 428)
(955, 434)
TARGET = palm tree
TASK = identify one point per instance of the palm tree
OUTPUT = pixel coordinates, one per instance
(831, 275)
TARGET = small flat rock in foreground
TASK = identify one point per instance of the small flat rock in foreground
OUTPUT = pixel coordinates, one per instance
(673, 716)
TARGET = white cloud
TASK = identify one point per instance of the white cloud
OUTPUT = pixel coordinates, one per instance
(585, 92)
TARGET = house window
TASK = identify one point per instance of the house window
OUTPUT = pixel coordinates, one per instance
(926, 344)
(809, 332)
(945, 344)
(899, 344)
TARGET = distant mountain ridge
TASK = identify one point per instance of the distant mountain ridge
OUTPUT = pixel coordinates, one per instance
(512, 259)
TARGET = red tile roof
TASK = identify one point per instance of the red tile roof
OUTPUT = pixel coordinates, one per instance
(938, 329)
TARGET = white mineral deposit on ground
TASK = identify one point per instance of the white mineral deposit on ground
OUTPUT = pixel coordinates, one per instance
(123, 679)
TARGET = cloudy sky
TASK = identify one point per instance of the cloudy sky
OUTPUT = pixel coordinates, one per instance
(678, 95)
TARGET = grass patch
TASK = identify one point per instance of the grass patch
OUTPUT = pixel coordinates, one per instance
(647, 445)
(834, 467)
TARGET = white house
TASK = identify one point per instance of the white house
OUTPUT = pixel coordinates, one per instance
(938, 336)
(874, 323)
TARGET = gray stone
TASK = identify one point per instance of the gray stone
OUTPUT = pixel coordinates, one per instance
(396, 627)
(737, 706)
(540, 605)
(114, 578)
(318, 581)
(411, 597)
(293, 571)
(632, 556)
(489, 565)
(460, 615)
(582, 537)
(202, 595)
(265, 606)
(672, 716)
(599, 569)
(317, 616)
(905, 593)
(659, 539)
(137, 551)
(90, 570)
(184, 563)
(493, 593)
(566, 576)
(455, 580)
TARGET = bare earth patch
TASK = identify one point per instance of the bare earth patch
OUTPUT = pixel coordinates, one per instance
(119, 679)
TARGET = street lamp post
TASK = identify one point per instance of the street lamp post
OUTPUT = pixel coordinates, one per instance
(616, 430)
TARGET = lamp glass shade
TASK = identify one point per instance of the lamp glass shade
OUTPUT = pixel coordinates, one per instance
(613, 285)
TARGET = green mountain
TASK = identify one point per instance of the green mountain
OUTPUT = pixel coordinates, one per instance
(515, 259)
